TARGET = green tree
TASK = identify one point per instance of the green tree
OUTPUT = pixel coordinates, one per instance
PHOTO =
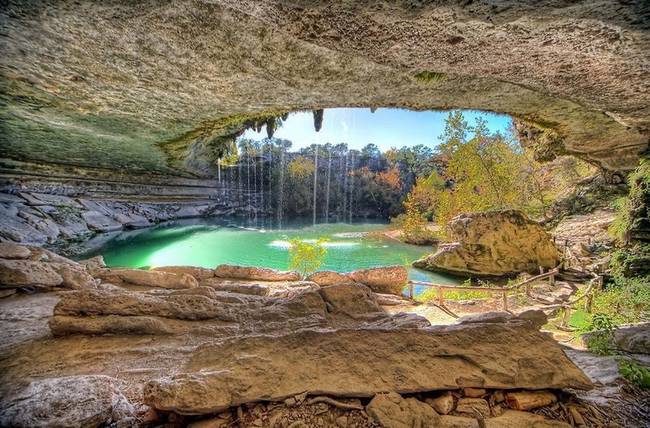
(306, 256)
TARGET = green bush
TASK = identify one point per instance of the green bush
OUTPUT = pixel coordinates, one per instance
(305, 256)
(635, 373)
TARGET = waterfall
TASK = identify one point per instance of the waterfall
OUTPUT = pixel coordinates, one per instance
(270, 210)
(345, 188)
(281, 192)
(351, 185)
(327, 192)
(313, 207)
(262, 207)
(219, 170)
(254, 207)
(239, 183)
(248, 182)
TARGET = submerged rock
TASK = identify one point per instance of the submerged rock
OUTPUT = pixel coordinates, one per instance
(496, 243)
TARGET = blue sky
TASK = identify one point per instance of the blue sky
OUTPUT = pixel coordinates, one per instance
(386, 127)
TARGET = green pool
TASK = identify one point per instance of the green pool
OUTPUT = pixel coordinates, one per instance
(208, 243)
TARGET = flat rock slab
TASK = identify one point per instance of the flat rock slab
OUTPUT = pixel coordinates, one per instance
(72, 401)
(254, 273)
(362, 362)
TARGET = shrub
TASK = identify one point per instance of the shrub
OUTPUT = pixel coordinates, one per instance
(635, 373)
(305, 256)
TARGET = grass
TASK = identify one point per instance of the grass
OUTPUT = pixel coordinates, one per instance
(431, 295)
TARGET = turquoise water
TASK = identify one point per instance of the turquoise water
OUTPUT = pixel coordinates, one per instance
(208, 243)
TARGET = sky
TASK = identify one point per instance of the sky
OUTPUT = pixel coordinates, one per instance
(386, 127)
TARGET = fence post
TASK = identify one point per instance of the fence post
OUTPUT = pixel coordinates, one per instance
(505, 301)
(441, 298)
(410, 290)
(551, 279)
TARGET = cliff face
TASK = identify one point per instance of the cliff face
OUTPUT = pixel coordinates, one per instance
(49, 204)
(159, 86)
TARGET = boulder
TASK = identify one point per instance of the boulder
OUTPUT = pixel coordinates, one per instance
(72, 401)
(13, 251)
(442, 404)
(483, 317)
(472, 406)
(93, 264)
(391, 410)
(509, 419)
(23, 273)
(149, 278)
(197, 272)
(346, 362)
(99, 222)
(255, 273)
(633, 338)
(386, 280)
(328, 277)
(496, 243)
(354, 300)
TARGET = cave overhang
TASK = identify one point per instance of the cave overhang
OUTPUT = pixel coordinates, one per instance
(161, 86)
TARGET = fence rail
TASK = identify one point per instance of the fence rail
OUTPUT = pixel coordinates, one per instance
(502, 290)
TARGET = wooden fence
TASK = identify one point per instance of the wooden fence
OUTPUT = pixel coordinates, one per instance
(495, 290)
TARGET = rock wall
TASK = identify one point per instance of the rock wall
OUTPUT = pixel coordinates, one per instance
(108, 85)
(50, 204)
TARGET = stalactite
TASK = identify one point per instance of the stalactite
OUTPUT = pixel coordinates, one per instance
(318, 119)
(270, 127)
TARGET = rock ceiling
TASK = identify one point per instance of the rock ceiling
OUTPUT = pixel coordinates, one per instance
(150, 85)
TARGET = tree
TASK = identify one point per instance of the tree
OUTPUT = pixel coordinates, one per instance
(305, 256)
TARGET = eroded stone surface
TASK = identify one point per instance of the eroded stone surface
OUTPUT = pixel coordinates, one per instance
(149, 278)
(495, 243)
(571, 67)
(278, 366)
(387, 279)
(198, 273)
(254, 273)
(393, 411)
(73, 401)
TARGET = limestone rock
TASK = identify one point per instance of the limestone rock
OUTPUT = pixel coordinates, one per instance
(277, 366)
(633, 338)
(74, 277)
(22, 273)
(99, 222)
(391, 410)
(536, 317)
(13, 251)
(496, 317)
(93, 264)
(496, 243)
(386, 280)
(442, 404)
(328, 277)
(472, 407)
(254, 273)
(509, 419)
(354, 300)
(197, 272)
(73, 401)
(113, 310)
(149, 278)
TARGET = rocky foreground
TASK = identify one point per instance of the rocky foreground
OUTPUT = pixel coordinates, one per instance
(181, 346)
